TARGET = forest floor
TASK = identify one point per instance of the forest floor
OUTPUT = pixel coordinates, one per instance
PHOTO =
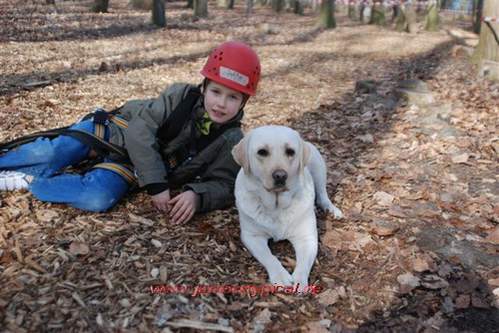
(417, 251)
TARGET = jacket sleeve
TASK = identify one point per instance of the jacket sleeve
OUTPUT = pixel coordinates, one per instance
(216, 189)
(144, 119)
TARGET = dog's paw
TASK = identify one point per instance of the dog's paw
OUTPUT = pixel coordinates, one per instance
(332, 209)
(300, 283)
(327, 206)
(301, 280)
(337, 213)
(281, 277)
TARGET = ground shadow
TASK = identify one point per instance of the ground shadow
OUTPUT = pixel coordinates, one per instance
(425, 306)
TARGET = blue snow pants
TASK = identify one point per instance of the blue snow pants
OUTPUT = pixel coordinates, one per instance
(97, 190)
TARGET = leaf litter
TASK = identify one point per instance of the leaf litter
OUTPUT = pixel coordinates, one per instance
(395, 170)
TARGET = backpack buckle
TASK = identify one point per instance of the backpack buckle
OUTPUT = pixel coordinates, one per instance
(101, 116)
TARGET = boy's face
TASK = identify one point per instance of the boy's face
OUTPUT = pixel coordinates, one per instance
(222, 103)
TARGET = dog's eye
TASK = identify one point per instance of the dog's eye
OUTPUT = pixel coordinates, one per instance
(262, 152)
(290, 152)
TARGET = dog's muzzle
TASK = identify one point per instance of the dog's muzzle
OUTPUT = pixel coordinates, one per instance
(280, 176)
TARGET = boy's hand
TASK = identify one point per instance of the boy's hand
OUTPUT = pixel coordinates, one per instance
(183, 207)
(160, 201)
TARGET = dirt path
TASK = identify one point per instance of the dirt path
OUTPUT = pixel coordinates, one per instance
(424, 177)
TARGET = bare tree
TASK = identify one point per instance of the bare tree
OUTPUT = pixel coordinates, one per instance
(378, 14)
(158, 13)
(249, 7)
(278, 5)
(327, 19)
(229, 4)
(432, 20)
(477, 15)
(487, 52)
(353, 9)
(201, 8)
(100, 6)
(297, 7)
(406, 20)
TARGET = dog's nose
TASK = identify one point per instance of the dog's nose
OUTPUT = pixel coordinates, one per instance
(280, 177)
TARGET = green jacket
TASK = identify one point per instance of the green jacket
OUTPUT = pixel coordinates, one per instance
(211, 172)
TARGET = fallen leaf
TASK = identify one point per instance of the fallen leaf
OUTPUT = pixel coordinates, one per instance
(383, 228)
(479, 302)
(328, 297)
(261, 320)
(434, 282)
(156, 243)
(346, 240)
(493, 282)
(493, 237)
(407, 282)
(462, 158)
(315, 327)
(420, 265)
(154, 272)
(140, 219)
(368, 138)
(77, 248)
(125, 303)
(46, 215)
(383, 198)
(463, 301)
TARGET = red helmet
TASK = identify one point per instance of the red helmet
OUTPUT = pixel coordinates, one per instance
(235, 65)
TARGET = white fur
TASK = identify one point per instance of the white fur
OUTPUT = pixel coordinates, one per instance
(265, 212)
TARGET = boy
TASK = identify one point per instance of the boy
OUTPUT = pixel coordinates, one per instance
(183, 139)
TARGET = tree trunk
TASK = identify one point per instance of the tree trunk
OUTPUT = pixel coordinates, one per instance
(278, 5)
(201, 8)
(487, 52)
(432, 19)
(249, 7)
(158, 13)
(406, 19)
(378, 15)
(297, 7)
(227, 4)
(316, 5)
(100, 6)
(352, 11)
(327, 19)
(395, 12)
(366, 15)
(411, 18)
(400, 20)
(477, 15)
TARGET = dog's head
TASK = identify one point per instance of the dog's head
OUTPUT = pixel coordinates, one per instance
(273, 155)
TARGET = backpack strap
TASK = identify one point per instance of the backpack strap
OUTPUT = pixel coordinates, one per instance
(96, 140)
(176, 121)
(5, 146)
(123, 170)
(165, 133)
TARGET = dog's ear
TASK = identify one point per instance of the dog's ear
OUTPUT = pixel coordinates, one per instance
(240, 154)
(305, 156)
